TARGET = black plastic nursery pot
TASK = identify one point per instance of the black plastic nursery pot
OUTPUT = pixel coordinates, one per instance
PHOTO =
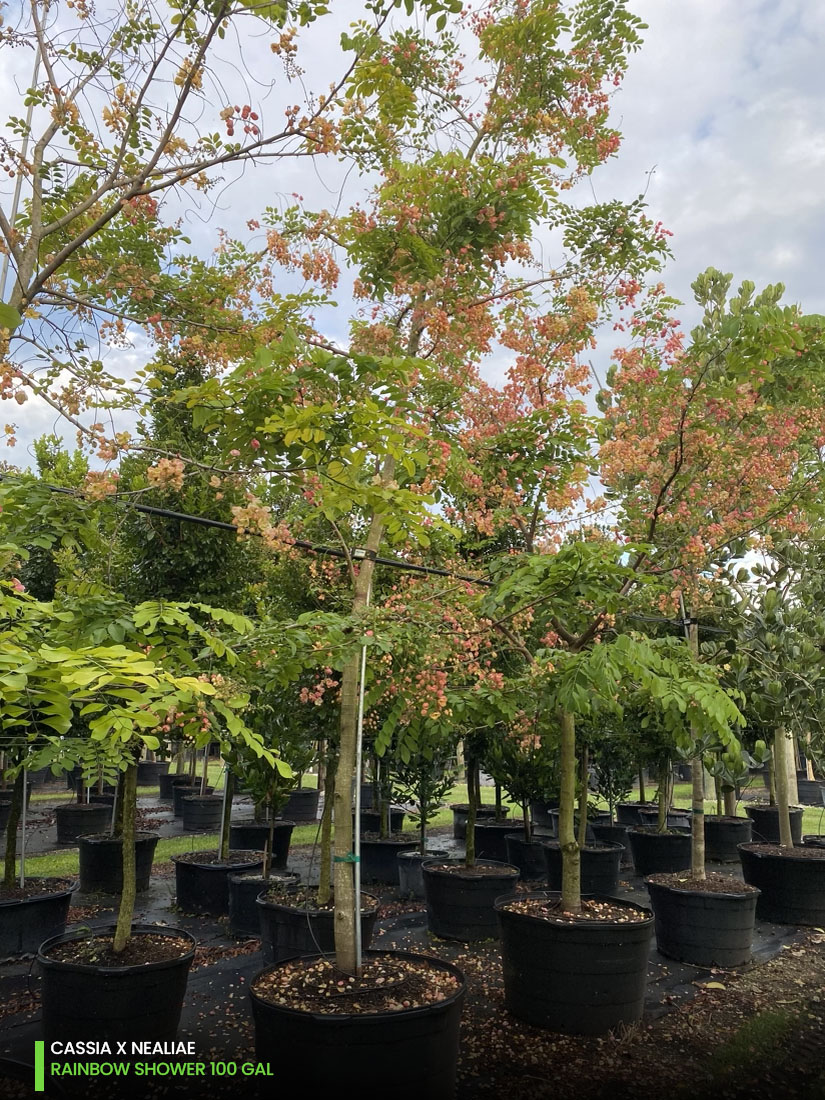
(249, 835)
(810, 791)
(84, 1001)
(202, 813)
(766, 823)
(600, 863)
(371, 820)
(410, 875)
(676, 819)
(540, 811)
(167, 784)
(659, 852)
(26, 922)
(461, 811)
(813, 840)
(288, 929)
(723, 835)
(791, 883)
(101, 862)
(414, 1048)
(528, 856)
(379, 858)
(150, 771)
(491, 839)
(460, 899)
(202, 883)
(583, 977)
(77, 819)
(629, 813)
(704, 928)
(243, 897)
(302, 805)
(614, 834)
(185, 790)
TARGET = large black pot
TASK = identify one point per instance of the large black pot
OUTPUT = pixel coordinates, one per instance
(629, 813)
(676, 819)
(528, 857)
(167, 784)
(614, 834)
(461, 811)
(101, 862)
(150, 771)
(26, 922)
(78, 819)
(371, 820)
(723, 835)
(582, 978)
(810, 791)
(202, 813)
(540, 811)
(243, 898)
(766, 823)
(379, 858)
(659, 852)
(813, 840)
(317, 1055)
(600, 864)
(302, 805)
(792, 885)
(460, 902)
(204, 887)
(288, 930)
(491, 839)
(83, 1001)
(186, 790)
(250, 835)
(410, 875)
(703, 928)
(7, 795)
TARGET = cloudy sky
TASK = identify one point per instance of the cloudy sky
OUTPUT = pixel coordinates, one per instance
(722, 118)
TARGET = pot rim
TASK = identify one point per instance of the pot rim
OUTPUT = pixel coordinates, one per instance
(291, 877)
(137, 929)
(698, 892)
(600, 845)
(227, 865)
(651, 830)
(773, 809)
(508, 871)
(265, 903)
(432, 853)
(278, 823)
(101, 838)
(780, 853)
(402, 1013)
(8, 903)
(501, 902)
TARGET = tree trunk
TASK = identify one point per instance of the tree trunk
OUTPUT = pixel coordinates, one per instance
(642, 794)
(583, 798)
(780, 744)
(697, 831)
(205, 772)
(571, 896)
(730, 802)
(127, 898)
(226, 814)
(499, 815)
(790, 765)
(324, 884)
(470, 837)
(18, 794)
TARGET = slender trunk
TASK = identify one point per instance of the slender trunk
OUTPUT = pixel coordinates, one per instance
(790, 765)
(717, 791)
(129, 892)
(470, 839)
(730, 802)
(771, 782)
(324, 884)
(193, 766)
(780, 744)
(697, 832)
(611, 803)
(809, 768)
(642, 793)
(499, 815)
(270, 841)
(205, 772)
(117, 814)
(661, 824)
(528, 824)
(226, 814)
(583, 798)
(18, 793)
(322, 775)
(571, 899)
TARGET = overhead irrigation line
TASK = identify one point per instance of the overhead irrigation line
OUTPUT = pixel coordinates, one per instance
(302, 544)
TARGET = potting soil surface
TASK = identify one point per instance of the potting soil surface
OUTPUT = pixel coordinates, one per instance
(694, 1039)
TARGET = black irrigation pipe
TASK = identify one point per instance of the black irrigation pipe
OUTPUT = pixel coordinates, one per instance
(302, 544)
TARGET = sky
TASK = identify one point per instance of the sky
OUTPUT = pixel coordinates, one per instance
(722, 122)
